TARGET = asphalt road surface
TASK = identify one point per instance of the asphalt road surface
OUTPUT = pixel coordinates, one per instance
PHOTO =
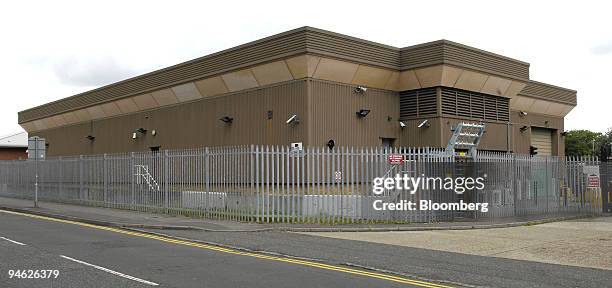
(84, 255)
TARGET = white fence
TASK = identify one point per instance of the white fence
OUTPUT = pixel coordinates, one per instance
(313, 185)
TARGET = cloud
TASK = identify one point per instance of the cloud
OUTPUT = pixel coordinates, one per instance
(91, 71)
(602, 49)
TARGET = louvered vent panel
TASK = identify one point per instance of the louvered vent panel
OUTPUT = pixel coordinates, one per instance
(490, 108)
(477, 106)
(408, 104)
(503, 109)
(449, 102)
(464, 104)
(427, 102)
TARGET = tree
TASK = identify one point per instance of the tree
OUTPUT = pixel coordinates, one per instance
(580, 143)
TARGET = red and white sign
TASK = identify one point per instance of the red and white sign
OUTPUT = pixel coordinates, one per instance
(593, 181)
(395, 159)
(338, 176)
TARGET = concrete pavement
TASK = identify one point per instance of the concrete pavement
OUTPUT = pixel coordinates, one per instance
(583, 243)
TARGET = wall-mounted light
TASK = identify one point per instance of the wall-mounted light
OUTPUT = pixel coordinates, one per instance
(524, 128)
(293, 119)
(227, 119)
(402, 124)
(522, 113)
(90, 137)
(134, 135)
(360, 89)
(362, 113)
(546, 123)
(424, 124)
(330, 144)
(153, 132)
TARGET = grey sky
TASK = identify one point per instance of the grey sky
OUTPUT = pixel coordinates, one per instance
(55, 49)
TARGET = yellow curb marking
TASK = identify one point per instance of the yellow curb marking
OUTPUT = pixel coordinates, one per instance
(242, 253)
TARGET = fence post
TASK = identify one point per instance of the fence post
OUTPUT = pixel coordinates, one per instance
(81, 179)
(166, 180)
(131, 169)
(105, 194)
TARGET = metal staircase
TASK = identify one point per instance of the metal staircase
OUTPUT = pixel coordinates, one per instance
(142, 173)
(465, 139)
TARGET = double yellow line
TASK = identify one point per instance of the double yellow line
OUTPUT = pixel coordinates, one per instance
(243, 253)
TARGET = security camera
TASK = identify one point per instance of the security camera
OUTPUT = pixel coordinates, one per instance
(523, 113)
(425, 123)
(361, 89)
(293, 119)
(402, 124)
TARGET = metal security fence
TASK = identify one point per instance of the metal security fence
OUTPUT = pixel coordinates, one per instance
(273, 184)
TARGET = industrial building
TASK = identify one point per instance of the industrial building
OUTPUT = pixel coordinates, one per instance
(311, 86)
(14, 146)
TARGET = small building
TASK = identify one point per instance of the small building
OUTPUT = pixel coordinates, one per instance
(311, 86)
(14, 146)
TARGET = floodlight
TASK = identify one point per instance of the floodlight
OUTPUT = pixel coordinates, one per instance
(227, 119)
(362, 113)
(361, 89)
(293, 119)
(425, 124)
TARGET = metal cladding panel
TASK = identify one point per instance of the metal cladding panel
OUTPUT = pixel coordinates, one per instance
(342, 46)
(333, 108)
(546, 91)
(447, 52)
(193, 124)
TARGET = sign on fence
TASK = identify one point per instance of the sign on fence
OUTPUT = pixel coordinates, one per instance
(593, 181)
(338, 176)
(395, 159)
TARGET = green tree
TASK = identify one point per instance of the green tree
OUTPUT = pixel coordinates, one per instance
(580, 143)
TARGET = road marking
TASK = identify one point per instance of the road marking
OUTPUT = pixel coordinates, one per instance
(13, 241)
(111, 271)
(342, 269)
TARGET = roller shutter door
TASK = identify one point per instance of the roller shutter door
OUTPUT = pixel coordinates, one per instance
(542, 139)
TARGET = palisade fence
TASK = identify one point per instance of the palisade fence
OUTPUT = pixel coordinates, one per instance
(313, 185)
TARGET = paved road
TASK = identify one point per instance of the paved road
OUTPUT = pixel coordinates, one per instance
(88, 256)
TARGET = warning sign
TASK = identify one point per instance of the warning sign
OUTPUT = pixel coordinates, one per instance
(395, 159)
(593, 181)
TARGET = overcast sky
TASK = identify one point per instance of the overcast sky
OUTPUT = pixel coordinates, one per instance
(54, 49)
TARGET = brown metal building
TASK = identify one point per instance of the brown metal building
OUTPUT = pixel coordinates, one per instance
(314, 74)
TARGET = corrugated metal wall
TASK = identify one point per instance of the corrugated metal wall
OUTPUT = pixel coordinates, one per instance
(542, 90)
(194, 124)
(443, 51)
(333, 115)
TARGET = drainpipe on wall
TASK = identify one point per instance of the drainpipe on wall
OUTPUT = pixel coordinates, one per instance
(508, 137)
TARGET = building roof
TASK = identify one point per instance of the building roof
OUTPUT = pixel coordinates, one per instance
(305, 40)
(18, 140)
